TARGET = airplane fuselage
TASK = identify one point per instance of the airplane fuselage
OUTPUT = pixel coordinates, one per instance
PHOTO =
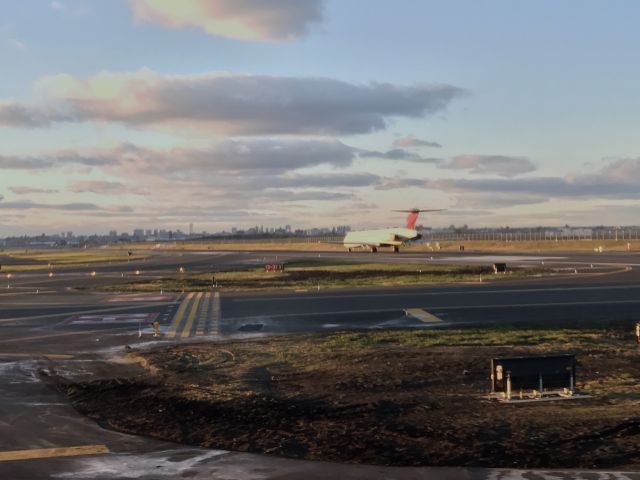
(385, 237)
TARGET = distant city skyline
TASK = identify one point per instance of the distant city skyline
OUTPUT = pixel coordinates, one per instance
(219, 113)
(164, 234)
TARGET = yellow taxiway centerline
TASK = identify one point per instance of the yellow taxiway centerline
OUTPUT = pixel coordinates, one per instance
(53, 452)
(422, 315)
(52, 356)
(215, 315)
(202, 318)
(65, 334)
(179, 316)
(186, 331)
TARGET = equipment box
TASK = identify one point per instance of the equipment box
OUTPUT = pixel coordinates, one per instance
(533, 376)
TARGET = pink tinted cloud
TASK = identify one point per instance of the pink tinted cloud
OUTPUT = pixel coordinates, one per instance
(257, 20)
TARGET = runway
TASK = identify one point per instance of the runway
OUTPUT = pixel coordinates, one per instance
(48, 326)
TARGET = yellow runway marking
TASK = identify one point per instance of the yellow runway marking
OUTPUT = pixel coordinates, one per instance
(202, 318)
(215, 314)
(66, 334)
(179, 316)
(53, 356)
(186, 332)
(422, 315)
(53, 452)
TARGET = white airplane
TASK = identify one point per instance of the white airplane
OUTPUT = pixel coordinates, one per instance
(386, 237)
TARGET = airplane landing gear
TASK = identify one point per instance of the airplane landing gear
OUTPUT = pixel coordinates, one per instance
(396, 249)
(374, 249)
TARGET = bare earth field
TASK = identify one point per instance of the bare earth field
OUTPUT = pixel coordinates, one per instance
(392, 398)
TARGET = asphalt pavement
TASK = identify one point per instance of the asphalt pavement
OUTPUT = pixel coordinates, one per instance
(49, 328)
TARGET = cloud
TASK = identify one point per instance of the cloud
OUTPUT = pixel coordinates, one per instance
(102, 187)
(243, 157)
(627, 169)
(16, 44)
(228, 104)
(497, 200)
(399, 154)
(28, 205)
(269, 156)
(15, 115)
(578, 186)
(504, 166)
(402, 183)
(410, 141)
(237, 173)
(618, 179)
(261, 20)
(29, 190)
(314, 195)
(23, 163)
(327, 180)
(55, 159)
(68, 9)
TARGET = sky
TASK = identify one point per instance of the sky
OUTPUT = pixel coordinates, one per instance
(122, 114)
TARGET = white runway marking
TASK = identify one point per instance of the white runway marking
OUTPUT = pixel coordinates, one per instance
(422, 315)
(498, 258)
(447, 307)
(433, 293)
(144, 318)
(94, 310)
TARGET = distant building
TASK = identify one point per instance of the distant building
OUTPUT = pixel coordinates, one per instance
(573, 231)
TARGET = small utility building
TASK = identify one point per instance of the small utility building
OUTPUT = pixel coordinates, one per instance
(533, 376)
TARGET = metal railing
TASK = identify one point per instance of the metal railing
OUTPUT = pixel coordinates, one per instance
(616, 235)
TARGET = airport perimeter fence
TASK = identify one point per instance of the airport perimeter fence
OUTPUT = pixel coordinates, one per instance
(248, 240)
(427, 236)
(535, 236)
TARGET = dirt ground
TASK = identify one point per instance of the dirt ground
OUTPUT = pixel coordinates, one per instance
(385, 402)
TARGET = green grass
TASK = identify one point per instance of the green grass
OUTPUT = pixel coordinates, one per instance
(325, 274)
(497, 246)
(38, 260)
(506, 335)
(528, 246)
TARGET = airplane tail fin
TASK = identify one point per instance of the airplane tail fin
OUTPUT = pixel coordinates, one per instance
(412, 218)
